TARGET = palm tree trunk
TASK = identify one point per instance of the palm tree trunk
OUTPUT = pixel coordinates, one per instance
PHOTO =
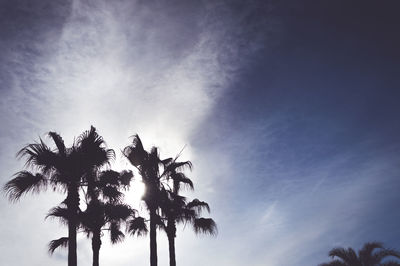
(72, 260)
(72, 205)
(171, 234)
(171, 242)
(96, 244)
(153, 238)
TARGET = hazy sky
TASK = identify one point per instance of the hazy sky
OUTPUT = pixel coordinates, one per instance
(289, 111)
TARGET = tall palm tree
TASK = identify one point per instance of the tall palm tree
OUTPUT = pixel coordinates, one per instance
(148, 165)
(176, 210)
(154, 172)
(60, 168)
(367, 256)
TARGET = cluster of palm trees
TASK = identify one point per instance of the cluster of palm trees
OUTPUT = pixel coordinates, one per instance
(83, 171)
(371, 254)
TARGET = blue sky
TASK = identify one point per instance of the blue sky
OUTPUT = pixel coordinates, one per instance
(289, 112)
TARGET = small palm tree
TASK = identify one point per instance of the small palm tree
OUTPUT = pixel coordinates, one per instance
(105, 211)
(365, 257)
(176, 210)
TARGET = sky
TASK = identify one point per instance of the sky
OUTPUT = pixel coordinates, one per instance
(288, 110)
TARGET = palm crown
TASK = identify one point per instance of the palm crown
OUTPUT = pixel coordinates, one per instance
(62, 169)
(372, 254)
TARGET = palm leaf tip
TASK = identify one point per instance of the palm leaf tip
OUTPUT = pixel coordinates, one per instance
(205, 226)
(54, 244)
(57, 139)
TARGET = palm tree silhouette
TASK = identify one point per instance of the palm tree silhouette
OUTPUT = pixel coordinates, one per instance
(176, 210)
(105, 212)
(105, 209)
(61, 168)
(365, 257)
(148, 164)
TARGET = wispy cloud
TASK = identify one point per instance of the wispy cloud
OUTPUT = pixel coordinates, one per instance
(282, 212)
(151, 68)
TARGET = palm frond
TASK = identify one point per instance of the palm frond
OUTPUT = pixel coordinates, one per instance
(366, 253)
(115, 233)
(135, 152)
(198, 206)
(179, 178)
(23, 183)
(137, 226)
(112, 193)
(93, 149)
(57, 139)
(205, 226)
(116, 212)
(167, 161)
(382, 254)
(186, 215)
(366, 256)
(174, 167)
(89, 138)
(54, 244)
(61, 213)
(108, 177)
(180, 166)
(39, 155)
(339, 252)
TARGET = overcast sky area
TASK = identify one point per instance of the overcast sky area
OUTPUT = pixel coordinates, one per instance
(289, 111)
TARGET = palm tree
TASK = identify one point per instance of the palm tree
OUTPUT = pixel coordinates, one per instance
(148, 164)
(60, 168)
(105, 209)
(177, 210)
(365, 257)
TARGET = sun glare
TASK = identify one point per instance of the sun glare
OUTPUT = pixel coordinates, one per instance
(135, 193)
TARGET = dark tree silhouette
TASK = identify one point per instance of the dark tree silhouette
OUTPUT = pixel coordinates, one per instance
(367, 256)
(105, 210)
(176, 210)
(148, 165)
(61, 168)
